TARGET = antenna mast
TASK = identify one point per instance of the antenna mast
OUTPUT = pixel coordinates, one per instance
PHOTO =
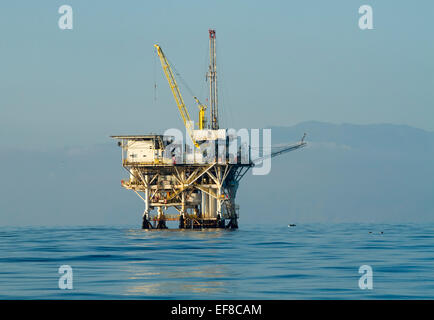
(212, 75)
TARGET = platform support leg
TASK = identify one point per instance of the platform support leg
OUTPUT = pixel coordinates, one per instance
(146, 224)
(161, 221)
(182, 215)
(181, 221)
(233, 223)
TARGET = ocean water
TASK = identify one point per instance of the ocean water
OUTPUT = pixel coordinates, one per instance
(310, 261)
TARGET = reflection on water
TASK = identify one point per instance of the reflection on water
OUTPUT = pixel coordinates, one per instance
(168, 288)
(156, 279)
(188, 233)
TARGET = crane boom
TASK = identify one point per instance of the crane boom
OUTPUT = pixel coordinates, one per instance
(282, 149)
(189, 125)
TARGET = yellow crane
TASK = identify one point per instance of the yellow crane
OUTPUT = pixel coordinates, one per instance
(189, 125)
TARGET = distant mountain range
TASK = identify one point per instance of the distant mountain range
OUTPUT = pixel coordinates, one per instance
(371, 173)
(386, 137)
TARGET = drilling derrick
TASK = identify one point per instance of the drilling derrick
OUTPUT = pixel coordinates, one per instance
(212, 78)
(200, 181)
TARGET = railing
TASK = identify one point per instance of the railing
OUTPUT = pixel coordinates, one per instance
(171, 162)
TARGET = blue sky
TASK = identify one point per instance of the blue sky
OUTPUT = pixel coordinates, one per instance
(279, 63)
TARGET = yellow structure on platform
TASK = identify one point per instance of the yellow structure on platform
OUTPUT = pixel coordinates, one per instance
(189, 125)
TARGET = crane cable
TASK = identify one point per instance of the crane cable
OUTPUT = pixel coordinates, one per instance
(183, 81)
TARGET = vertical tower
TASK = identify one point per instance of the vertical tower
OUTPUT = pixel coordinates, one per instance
(212, 76)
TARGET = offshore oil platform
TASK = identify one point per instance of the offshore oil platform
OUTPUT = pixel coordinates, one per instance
(199, 179)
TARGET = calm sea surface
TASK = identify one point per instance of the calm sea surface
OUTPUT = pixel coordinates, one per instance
(313, 261)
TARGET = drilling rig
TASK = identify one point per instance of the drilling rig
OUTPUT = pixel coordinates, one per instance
(199, 181)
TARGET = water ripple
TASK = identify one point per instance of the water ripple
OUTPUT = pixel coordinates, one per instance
(314, 261)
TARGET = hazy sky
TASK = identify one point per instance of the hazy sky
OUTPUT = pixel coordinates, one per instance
(279, 63)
